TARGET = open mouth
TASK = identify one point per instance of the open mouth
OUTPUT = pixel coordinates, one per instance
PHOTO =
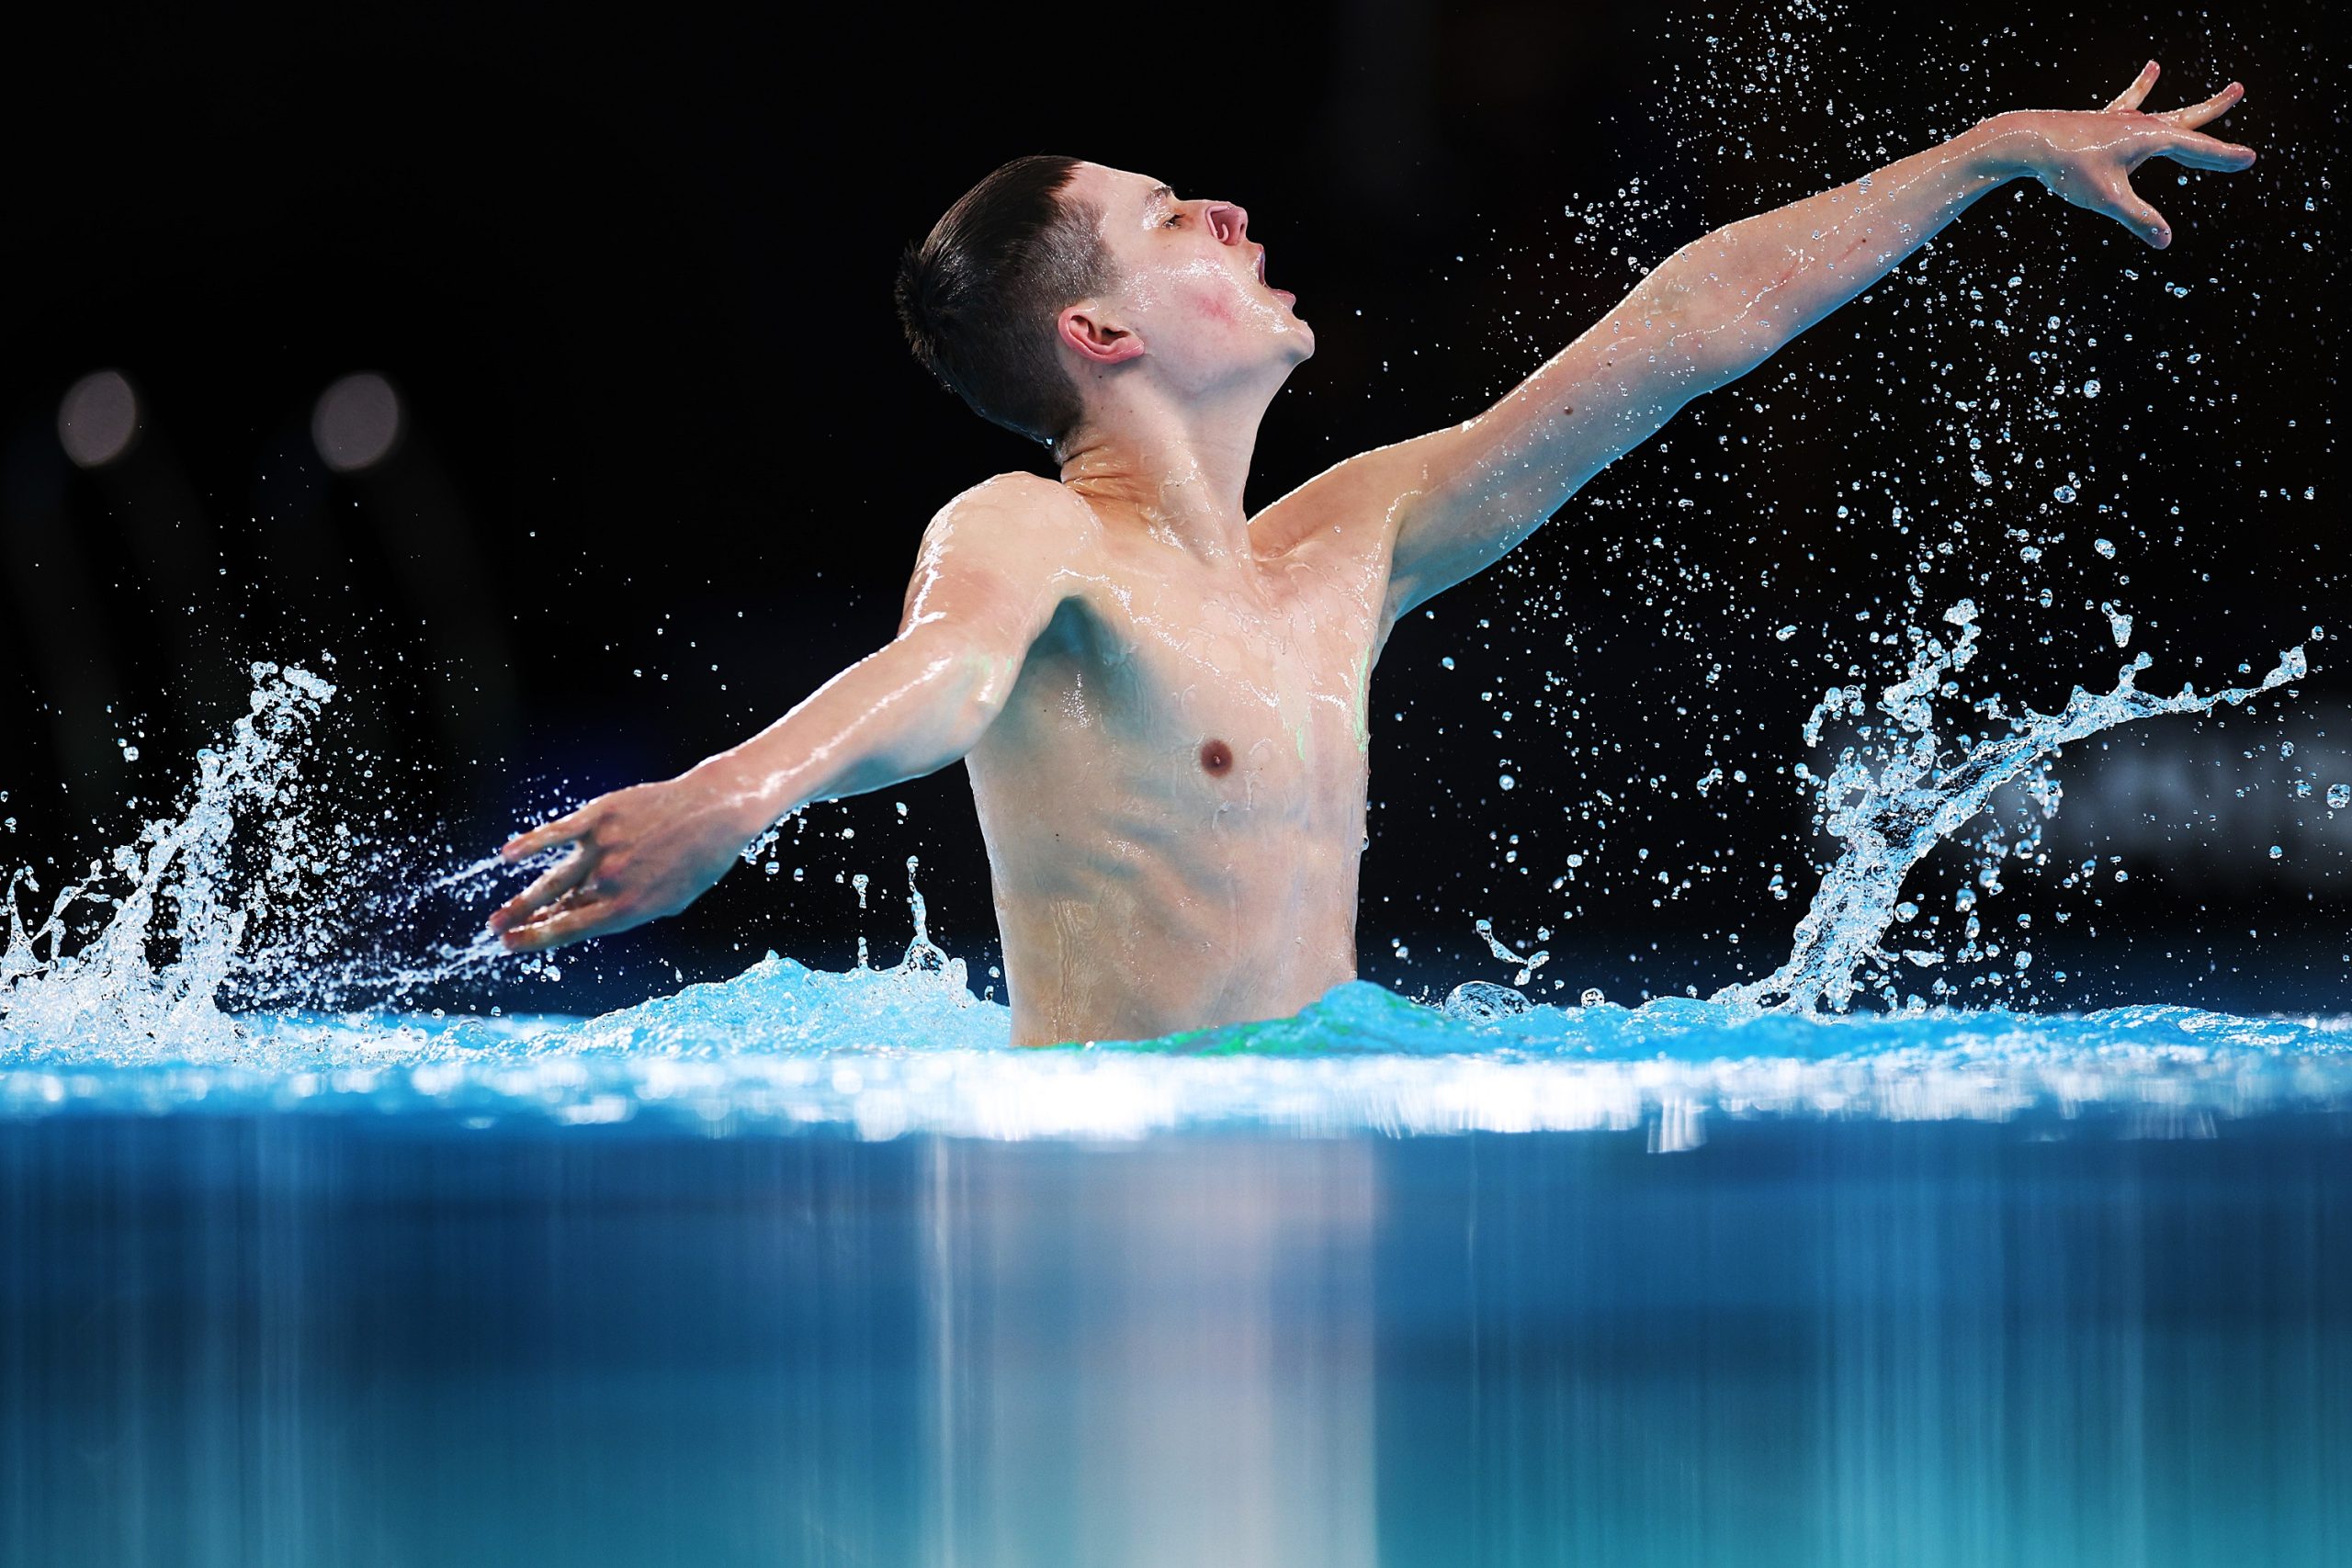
(1258, 265)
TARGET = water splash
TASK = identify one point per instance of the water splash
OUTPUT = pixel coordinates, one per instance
(1890, 808)
(153, 1009)
(257, 895)
(153, 970)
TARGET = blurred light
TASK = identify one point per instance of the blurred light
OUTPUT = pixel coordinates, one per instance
(357, 422)
(98, 419)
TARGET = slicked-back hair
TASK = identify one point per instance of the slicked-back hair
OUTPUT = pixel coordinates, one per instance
(979, 295)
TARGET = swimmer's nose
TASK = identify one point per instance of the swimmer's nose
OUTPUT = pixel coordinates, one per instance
(1229, 223)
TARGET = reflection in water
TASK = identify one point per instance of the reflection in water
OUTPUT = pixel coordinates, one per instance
(366, 1338)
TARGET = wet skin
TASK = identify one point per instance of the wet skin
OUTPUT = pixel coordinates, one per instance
(1161, 700)
(1174, 793)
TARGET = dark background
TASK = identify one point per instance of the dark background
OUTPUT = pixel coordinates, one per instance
(665, 459)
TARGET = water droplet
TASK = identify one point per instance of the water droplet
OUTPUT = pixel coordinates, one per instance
(1508, 782)
(2104, 547)
(1785, 632)
(2339, 795)
(2090, 389)
(1591, 998)
(2277, 852)
(2063, 493)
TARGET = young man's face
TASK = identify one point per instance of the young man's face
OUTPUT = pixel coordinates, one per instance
(1191, 283)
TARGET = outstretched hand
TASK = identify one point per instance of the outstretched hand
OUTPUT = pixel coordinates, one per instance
(2088, 158)
(638, 855)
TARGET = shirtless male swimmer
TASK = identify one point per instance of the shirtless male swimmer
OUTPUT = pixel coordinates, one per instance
(1161, 700)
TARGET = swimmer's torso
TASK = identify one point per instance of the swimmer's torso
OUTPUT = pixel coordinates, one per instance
(1173, 795)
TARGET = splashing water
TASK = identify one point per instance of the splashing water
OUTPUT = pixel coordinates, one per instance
(255, 896)
(200, 989)
(1891, 810)
(113, 990)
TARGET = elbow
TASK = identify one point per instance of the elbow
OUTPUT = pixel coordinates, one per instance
(1721, 352)
(1713, 326)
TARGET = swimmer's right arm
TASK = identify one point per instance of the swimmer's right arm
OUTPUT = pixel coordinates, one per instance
(983, 589)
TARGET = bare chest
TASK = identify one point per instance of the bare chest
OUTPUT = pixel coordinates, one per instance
(1185, 701)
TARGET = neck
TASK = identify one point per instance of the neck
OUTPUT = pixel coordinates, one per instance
(1176, 470)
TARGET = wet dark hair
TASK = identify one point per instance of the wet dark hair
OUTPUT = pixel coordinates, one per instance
(979, 296)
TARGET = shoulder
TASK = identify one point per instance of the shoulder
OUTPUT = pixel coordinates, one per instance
(1015, 500)
(1013, 538)
(1023, 516)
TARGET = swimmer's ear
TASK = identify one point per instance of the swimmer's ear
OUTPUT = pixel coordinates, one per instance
(1093, 339)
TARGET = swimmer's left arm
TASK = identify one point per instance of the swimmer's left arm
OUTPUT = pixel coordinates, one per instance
(1460, 498)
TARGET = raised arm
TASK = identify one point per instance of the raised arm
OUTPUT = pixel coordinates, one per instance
(1459, 499)
(984, 588)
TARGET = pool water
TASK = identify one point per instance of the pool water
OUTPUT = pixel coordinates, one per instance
(454, 1327)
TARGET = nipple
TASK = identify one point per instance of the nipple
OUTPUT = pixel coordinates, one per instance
(1215, 756)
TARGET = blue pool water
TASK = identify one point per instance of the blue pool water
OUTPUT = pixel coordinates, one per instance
(813, 1269)
(1992, 1307)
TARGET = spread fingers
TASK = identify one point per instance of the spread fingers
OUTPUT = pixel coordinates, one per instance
(2208, 153)
(549, 889)
(2211, 108)
(568, 921)
(545, 836)
(2136, 93)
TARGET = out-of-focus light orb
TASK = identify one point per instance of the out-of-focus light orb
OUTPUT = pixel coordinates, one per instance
(357, 422)
(98, 419)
